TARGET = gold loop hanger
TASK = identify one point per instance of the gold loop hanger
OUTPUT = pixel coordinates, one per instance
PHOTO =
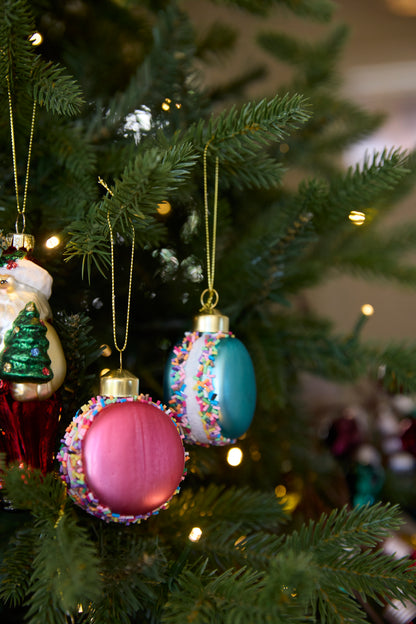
(212, 300)
(21, 211)
(113, 296)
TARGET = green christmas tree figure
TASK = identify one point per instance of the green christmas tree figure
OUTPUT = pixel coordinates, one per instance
(25, 354)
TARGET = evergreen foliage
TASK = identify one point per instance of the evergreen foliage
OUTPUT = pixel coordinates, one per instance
(131, 109)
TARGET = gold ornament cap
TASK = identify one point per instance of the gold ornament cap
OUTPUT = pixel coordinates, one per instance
(21, 241)
(119, 383)
(212, 321)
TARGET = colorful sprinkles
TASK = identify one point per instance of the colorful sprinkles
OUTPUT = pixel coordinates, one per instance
(71, 463)
(209, 407)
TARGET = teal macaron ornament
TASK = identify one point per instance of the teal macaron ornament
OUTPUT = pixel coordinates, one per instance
(210, 384)
(209, 380)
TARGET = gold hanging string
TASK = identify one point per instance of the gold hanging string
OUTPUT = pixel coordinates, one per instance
(209, 305)
(21, 211)
(113, 296)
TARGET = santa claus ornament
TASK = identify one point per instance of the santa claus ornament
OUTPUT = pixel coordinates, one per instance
(32, 362)
(122, 456)
(209, 377)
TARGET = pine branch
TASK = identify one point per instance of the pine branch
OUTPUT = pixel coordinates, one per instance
(58, 92)
(362, 526)
(240, 133)
(397, 361)
(295, 342)
(133, 571)
(223, 508)
(28, 488)
(337, 607)
(48, 82)
(216, 42)
(16, 569)
(16, 56)
(66, 572)
(375, 263)
(235, 87)
(371, 574)
(89, 240)
(360, 186)
(81, 350)
(159, 76)
(145, 182)
(209, 598)
(336, 124)
(245, 595)
(315, 62)
(320, 10)
(65, 565)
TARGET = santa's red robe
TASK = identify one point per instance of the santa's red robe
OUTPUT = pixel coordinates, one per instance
(28, 429)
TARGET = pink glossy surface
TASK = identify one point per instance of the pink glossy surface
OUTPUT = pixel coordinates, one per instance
(133, 457)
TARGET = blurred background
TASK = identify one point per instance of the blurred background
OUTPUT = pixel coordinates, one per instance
(378, 71)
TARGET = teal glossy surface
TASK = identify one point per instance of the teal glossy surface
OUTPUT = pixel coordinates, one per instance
(235, 385)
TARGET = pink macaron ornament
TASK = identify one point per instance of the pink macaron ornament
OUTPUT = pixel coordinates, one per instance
(122, 457)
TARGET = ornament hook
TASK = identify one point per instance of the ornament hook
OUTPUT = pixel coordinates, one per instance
(209, 305)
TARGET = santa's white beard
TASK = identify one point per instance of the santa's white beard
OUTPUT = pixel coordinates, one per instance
(11, 303)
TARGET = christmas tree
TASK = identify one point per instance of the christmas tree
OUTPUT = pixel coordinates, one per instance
(128, 141)
(25, 353)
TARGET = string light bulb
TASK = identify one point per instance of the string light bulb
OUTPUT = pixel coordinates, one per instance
(166, 104)
(356, 217)
(367, 309)
(280, 491)
(52, 242)
(36, 39)
(195, 534)
(164, 208)
(235, 456)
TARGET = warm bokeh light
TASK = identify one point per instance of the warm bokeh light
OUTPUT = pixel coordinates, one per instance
(36, 39)
(356, 217)
(52, 242)
(235, 456)
(166, 104)
(106, 350)
(164, 208)
(195, 534)
(367, 309)
(240, 540)
(291, 501)
(280, 491)
(104, 372)
(402, 7)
